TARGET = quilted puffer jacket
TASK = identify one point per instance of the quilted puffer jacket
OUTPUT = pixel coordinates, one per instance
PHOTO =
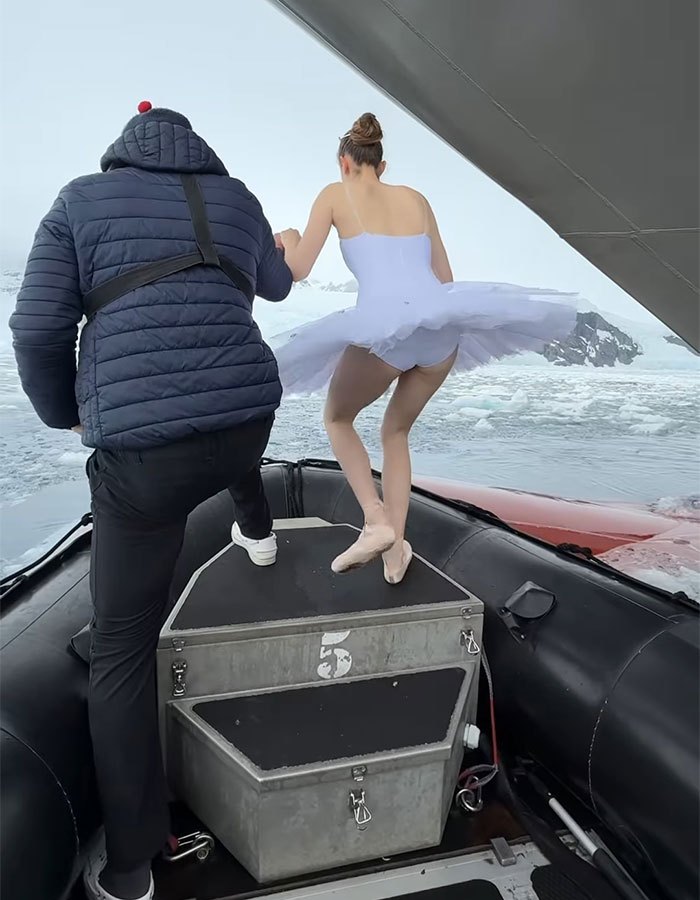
(172, 358)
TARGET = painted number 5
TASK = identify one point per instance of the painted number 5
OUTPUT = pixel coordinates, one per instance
(335, 661)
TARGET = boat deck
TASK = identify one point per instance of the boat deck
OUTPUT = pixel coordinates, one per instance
(221, 876)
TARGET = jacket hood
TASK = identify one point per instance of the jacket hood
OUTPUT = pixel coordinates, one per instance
(162, 140)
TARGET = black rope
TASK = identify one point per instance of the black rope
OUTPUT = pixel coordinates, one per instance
(485, 515)
(586, 554)
(583, 555)
(575, 550)
(10, 581)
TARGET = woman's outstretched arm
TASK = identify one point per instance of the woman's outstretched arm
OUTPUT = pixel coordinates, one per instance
(301, 251)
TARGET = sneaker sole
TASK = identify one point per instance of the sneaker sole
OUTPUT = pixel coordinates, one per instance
(96, 857)
(94, 863)
(258, 559)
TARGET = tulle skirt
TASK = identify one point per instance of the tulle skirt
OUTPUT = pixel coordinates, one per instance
(482, 321)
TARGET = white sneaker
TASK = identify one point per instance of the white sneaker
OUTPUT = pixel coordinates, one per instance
(262, 553)
(96, 861)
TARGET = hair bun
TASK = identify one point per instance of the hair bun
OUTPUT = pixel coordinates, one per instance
(366, 130)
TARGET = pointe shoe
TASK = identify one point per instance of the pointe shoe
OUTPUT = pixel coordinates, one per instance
(372, 542)
(397, 577)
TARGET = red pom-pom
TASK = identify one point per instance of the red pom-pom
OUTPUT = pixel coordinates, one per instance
(145, 106)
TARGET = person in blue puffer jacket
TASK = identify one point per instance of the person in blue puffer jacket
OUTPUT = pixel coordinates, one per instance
(176, 391)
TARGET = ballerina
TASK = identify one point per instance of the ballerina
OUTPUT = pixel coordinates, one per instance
(412, 324)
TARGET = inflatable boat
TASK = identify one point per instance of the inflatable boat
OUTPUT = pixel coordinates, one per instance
(594, 679)
(567, 769)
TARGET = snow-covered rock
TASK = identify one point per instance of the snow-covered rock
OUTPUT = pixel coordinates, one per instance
(594, 341)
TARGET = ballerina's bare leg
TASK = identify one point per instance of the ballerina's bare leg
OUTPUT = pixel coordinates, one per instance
(359, 379)
(412, 393)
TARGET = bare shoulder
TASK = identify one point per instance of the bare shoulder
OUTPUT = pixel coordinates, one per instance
(330, 192)
(413, 199)
(411, 192)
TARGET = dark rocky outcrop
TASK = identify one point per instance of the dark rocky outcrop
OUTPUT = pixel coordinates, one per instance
(593, 341)
(674, 339)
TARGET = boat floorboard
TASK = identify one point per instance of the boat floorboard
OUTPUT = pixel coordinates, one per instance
(221, 876)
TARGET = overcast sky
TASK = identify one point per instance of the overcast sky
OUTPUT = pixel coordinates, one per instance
(269, 99)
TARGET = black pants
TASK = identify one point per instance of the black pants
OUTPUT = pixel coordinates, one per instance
(140, 503)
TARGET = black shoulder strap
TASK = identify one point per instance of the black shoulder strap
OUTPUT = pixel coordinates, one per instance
(200, 222)
(206, 255)
(202, 234)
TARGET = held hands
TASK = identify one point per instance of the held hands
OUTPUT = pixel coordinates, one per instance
(287, 239)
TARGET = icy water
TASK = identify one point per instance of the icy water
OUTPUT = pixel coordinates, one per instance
(629, 434)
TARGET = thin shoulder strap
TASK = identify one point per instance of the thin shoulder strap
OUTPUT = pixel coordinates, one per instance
(352, 206)
(426, 217)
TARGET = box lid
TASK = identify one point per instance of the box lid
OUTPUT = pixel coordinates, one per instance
(323, 732)
(228, 594)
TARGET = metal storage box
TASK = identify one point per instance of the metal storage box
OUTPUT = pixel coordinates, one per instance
(298, 780)
(237, 627)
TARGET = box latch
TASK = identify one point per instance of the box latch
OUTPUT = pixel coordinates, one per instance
(358, 800)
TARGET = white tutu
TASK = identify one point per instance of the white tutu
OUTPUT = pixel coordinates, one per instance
(420, 321)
